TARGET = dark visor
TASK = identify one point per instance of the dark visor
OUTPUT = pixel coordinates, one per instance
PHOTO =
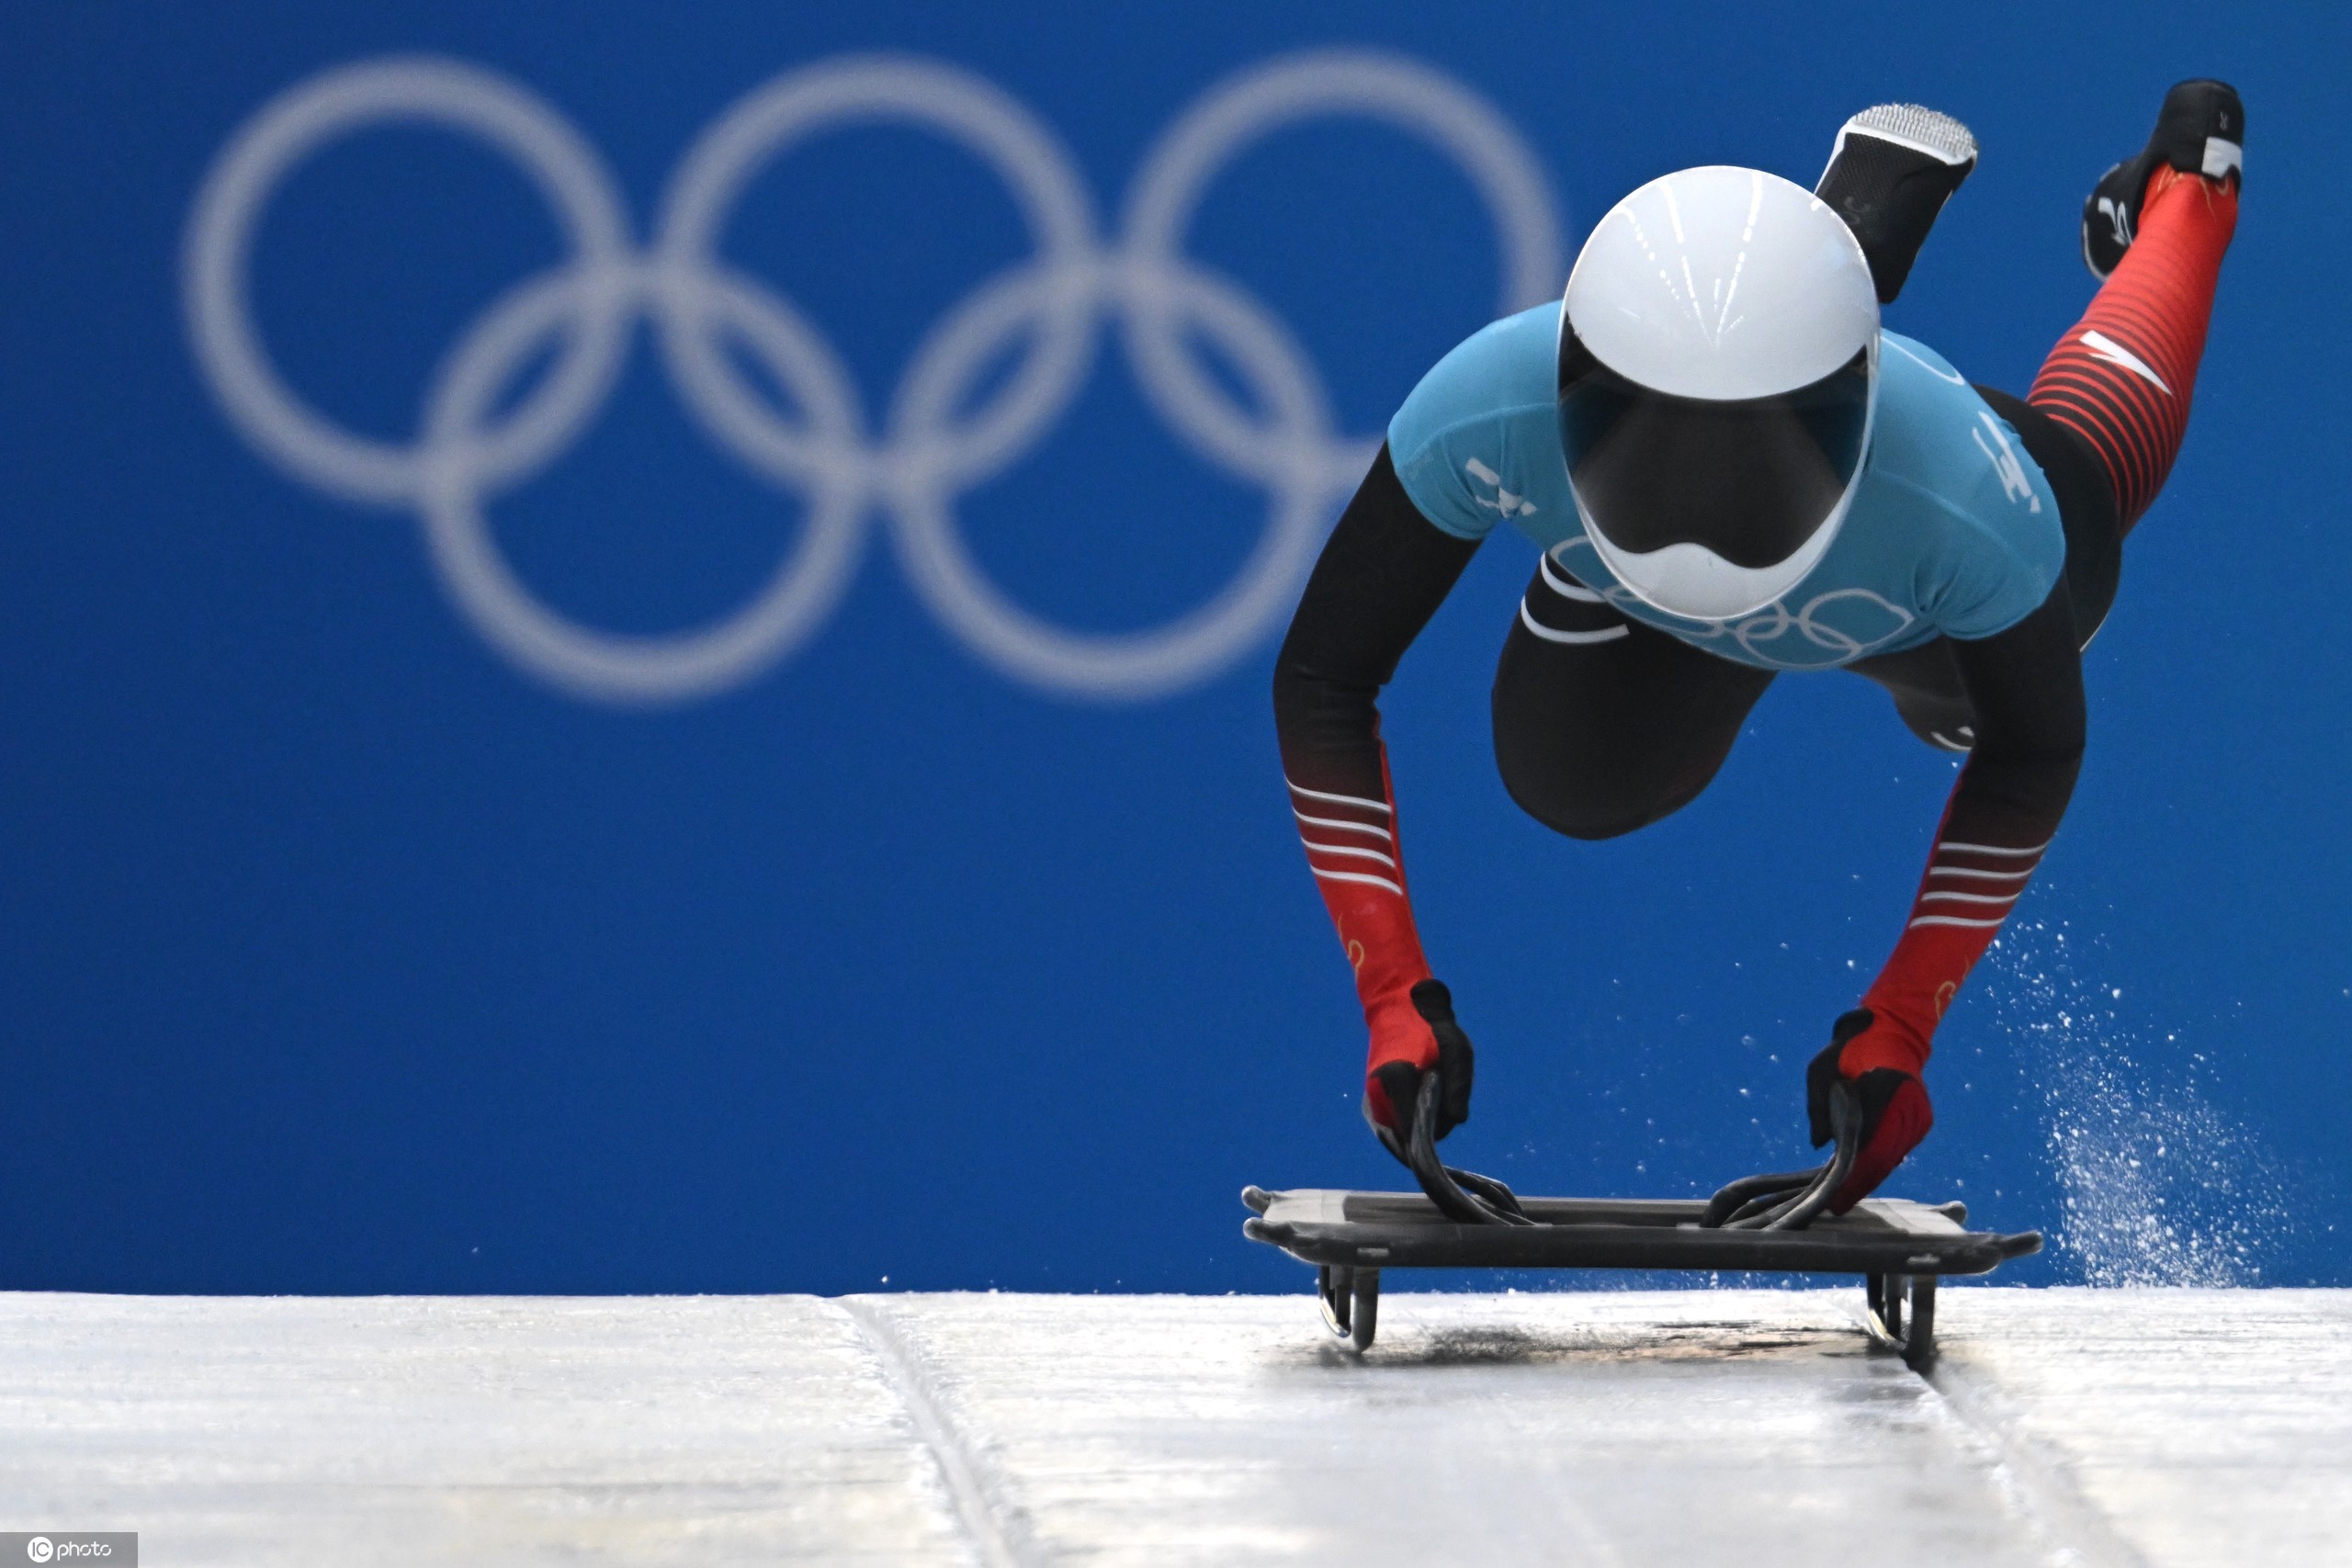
(1749, 479)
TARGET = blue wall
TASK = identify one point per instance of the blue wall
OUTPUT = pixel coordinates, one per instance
(363, 936)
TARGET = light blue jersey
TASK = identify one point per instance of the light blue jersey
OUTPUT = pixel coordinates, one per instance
(1953, 532)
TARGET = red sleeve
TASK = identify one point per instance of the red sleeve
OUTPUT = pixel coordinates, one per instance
(2026, 685)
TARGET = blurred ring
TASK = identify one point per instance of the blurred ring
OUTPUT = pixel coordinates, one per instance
(467, 452)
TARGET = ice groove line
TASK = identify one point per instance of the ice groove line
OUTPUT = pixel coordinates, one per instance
(908, 1381)
(2080, 1536)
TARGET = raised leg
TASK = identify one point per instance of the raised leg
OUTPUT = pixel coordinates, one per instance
(2122, 378)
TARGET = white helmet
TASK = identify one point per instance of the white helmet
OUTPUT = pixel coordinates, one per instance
(1718, 373)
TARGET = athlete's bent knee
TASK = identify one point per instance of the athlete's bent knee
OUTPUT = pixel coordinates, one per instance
(1584, 809)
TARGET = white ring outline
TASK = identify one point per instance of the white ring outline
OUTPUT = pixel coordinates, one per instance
(1133, 664)
(1058, 298)
(611, 666)
(763, 126)
(1274, 96)
(287, 133)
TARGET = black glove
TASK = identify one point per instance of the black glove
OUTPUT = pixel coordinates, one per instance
(1895, 1113)
(1401, 1082)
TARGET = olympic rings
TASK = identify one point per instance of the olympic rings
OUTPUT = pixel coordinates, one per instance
(1766, 635)
(579, 316)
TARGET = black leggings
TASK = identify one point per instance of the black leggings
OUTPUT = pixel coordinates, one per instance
(1604, 725)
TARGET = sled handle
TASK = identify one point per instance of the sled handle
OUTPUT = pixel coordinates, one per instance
(1463, 1196)
(1789, 1201)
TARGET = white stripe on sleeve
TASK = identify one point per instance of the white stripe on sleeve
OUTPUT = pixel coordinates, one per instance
(1564, 588)
(1609, 634)
(1374, 881)
(1980, 875)
(1315, 849)
(1988, 849)
(1379, 806)
(1344, 825)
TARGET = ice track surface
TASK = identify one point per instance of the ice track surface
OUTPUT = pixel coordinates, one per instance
(2151, 1426)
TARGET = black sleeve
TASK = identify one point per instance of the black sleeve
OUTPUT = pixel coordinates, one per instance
(1382, 575)
(2026, 686)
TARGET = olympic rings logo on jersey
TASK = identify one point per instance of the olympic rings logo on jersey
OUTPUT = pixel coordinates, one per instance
(1775, 622)
(1765, 635)
(581, 315)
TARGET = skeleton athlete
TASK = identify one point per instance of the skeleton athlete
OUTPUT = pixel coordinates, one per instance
(1731, 470)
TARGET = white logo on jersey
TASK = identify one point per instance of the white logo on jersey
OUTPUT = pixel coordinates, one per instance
(2005, 463)
(1509, 505)
(1776, 636)
(1940, 374)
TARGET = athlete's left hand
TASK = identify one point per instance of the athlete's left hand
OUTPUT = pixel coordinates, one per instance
(1895, 1113)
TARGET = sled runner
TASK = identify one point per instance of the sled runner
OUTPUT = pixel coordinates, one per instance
(1774, 1223)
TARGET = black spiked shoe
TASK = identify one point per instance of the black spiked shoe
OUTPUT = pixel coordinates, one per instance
(1890, 171)
(2200, 130)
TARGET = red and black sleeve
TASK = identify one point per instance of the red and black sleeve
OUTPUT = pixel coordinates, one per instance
(1381, 577)
(2026, 687)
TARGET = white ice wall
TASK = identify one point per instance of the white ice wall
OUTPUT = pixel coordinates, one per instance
(2153, 1428)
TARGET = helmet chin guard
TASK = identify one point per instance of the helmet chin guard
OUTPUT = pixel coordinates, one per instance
(1692, 581)
(1718, 370)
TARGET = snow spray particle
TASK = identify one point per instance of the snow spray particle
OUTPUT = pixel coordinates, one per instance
(2159, 1187)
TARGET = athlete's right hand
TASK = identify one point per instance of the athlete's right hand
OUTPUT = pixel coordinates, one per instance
(1413, 1035)
(1883, 1069)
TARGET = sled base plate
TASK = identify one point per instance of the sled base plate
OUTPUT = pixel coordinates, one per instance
(1900, 1248)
